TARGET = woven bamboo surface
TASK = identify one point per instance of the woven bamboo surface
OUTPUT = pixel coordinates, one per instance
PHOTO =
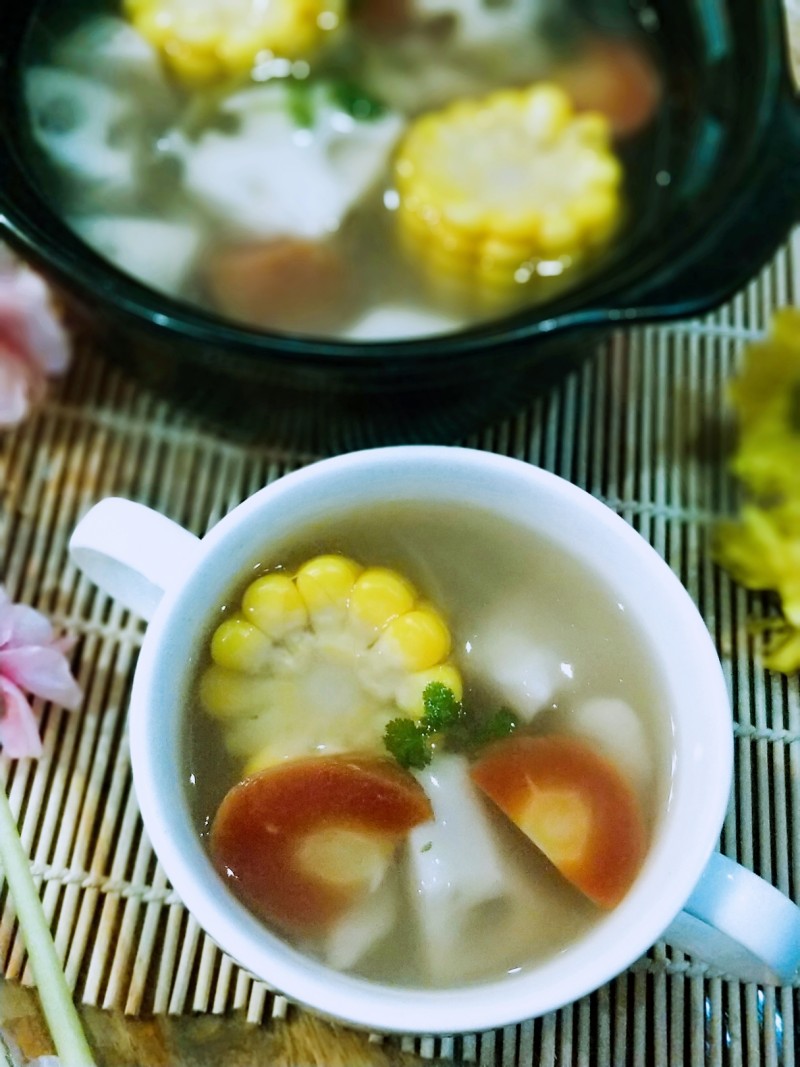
(643, 427)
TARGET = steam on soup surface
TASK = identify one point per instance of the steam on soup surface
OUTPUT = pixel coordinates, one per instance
(379, 168)
(448, 868)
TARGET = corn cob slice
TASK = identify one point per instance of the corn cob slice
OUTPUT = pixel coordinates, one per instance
(319, 661)
(506, 191)
(205, 40)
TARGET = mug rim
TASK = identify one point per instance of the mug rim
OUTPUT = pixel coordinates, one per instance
(607, 949)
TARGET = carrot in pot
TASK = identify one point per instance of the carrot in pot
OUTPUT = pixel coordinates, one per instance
(616, 78)
(282, 284)
(383, 17)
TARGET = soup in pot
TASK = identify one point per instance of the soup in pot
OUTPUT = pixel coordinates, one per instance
(359, 170)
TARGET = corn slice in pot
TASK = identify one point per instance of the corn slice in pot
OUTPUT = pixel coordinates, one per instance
(498, 192)
(207, 40)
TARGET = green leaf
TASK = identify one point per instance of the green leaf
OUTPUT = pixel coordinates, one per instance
(502, 724)
(442, 710)
(407, 743)
(356, 102)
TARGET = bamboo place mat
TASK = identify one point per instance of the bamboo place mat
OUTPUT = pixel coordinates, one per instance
(643, 427)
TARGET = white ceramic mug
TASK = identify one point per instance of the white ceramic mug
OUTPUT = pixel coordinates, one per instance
(685, 893)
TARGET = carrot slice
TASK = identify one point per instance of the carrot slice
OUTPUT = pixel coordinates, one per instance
(284, 284)
(301, 842)
(574, 805)
(383, 17)
(617, 78)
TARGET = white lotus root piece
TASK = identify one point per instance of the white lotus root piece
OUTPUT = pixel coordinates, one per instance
(471, 903)
(479, 22)
(83, 126)
(161, 254)
(616, 730)
(363, 927)
(95, 122)
(523, 673)
(119, 53)
(273, 178)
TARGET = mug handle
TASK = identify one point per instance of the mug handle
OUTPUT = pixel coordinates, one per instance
(739, 924)
(734, 920)
(132, 552)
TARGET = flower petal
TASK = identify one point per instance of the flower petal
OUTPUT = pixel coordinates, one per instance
(13, 331)
(47, 341)
(42, 671)
(28, 319)
(20, 384)
(27, 626)
(19, 730)
(6, 621)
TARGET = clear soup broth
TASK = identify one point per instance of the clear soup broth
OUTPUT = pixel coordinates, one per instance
(465, 895)
(364, 170)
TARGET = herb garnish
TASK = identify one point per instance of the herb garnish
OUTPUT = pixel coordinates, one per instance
(444, 723)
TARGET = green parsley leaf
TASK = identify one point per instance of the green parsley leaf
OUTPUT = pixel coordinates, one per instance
(442, 710)
(407, 743)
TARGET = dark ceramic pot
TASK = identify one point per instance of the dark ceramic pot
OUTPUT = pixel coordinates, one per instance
(728, 138)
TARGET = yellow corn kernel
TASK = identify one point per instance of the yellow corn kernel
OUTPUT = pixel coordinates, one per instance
(503, 253)
(275, 751)
(485, 186)
(600, 171)
(547, 111)
(205, 40)
(595, 212)
(325, 583)
(592, 128)
(409, 692)
(520, 230)
(452, 266)
(228, 694)
(495, 278)
(379, 595)
(558, 233)
(240, 646)
(419, 639)
(273, 604)
(260, 761)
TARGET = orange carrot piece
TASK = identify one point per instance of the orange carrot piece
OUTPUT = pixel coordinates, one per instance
(302, 841)
(574, 805)
(616, 78)
(383, 17)
(283, 284)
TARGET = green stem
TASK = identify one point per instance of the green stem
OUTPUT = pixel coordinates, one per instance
(54, 994)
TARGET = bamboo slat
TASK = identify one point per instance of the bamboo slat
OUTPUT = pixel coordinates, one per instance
(643, 426)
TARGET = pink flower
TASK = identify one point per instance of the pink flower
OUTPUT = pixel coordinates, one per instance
(32, 660)
(33, 342)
